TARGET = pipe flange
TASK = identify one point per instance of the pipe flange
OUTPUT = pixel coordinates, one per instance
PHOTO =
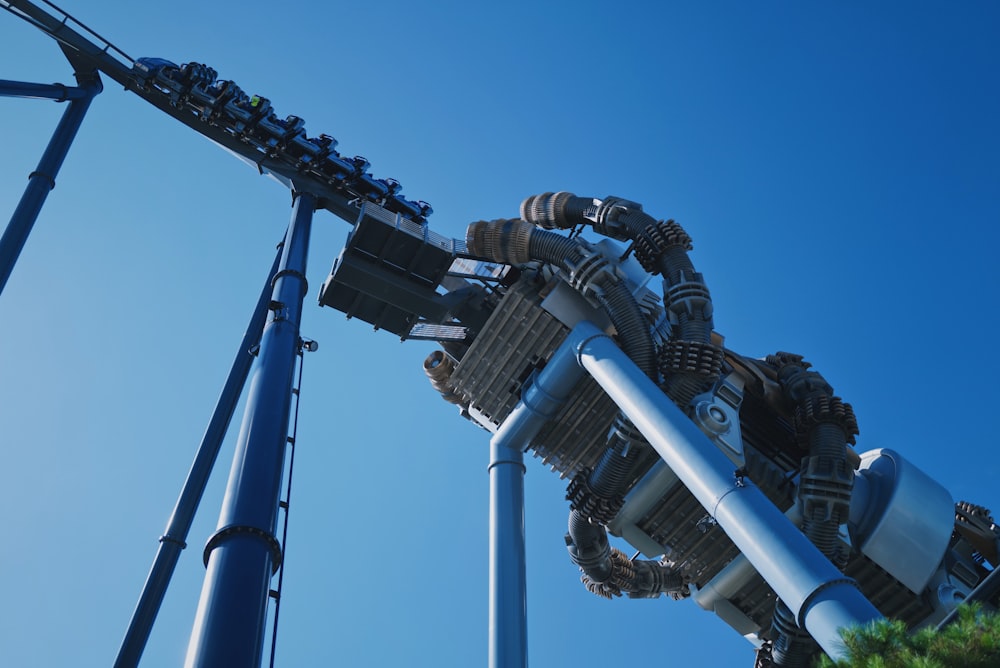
(817, 409)
(800, 618)
(292, 273)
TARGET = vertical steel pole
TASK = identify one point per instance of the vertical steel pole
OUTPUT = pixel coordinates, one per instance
(41, 181)
(243, 554)
(173, 539)
(508, 644)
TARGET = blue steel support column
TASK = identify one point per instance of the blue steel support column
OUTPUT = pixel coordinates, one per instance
(42, 180)
(508, 645)
(243, 553)
(173, 539)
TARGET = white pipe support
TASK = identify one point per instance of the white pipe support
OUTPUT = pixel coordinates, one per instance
(822, 599)
(541, 399)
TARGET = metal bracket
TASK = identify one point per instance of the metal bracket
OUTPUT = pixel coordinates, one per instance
(717, 414)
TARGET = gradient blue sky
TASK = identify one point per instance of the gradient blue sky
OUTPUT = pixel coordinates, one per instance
(837, 164)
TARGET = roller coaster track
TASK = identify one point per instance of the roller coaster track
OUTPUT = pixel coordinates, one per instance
(219, 110)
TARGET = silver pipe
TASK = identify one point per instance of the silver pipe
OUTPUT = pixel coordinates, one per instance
(540, 400)
(822, 599)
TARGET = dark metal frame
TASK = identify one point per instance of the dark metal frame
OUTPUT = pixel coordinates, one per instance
(43, 179)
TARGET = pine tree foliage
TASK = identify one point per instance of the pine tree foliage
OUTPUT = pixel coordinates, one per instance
(973, 641)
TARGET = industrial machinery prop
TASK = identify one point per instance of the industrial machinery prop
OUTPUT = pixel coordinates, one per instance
(735, 480)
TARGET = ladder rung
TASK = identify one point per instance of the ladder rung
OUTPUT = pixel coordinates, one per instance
(283, 505)
(274, 594)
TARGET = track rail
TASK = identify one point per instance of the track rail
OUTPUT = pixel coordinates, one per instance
(219, 110)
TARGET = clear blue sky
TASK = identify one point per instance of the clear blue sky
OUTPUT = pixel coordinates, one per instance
(836, 164)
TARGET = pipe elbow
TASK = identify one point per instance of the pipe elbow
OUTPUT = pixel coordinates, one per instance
(588, 548)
